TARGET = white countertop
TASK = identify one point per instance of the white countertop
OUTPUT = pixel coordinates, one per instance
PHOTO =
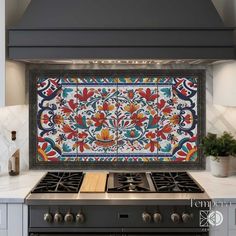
(14, 189)
(217, 188)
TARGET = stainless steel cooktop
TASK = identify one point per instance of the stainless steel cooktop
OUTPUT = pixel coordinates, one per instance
(122, 188)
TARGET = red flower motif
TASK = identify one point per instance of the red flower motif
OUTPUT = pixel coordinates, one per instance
(165, 130)
(188, 119)
(58, 119)
(138, 119)
(79, 120)
(165, 109)
(82, 145)
(148, 95)
(70, 108)
(69, 131)
(131, 94)
(99, 119)
(85, 95)
(82, 135)
(155, 120)
(150, 135)
(106, 107)
(152, 143)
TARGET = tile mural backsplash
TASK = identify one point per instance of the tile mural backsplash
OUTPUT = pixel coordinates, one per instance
(117, 118)
(218, 119)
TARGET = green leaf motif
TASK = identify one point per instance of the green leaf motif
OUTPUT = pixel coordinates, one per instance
(166, 91)
(66, 148)
(167, 148)
(66, 92)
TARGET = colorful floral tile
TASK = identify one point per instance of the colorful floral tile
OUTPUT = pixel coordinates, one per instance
(176, 101)
(94, 100)
(137, 138)
(96, 80)
(134, 80)
(136, 100)
(56, 96)
(173, 136)
(129, 119)
(58, 141)
(165, 80)
(96, 137)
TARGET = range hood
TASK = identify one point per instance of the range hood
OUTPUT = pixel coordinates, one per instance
(120, 29)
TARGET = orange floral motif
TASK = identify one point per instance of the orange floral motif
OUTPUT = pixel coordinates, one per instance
(104, 139)
(152, 143)
(81, 145)
(106, 107)
(138, 119)
(131, 108)
(130, 94)
(165, 130)
(69, 131)
(99, 119)
(58, 119)
(148, 95)
(175, 119)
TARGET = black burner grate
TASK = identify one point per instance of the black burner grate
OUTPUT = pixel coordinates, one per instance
(175, 182)
(128, 183)
(59, 182)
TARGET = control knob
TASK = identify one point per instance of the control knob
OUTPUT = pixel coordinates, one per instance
(80, 218)
(47, 217)
(175, 217)
(58, 217)
(146, 217)
(186, 217)
(69, 218)
(157, 217)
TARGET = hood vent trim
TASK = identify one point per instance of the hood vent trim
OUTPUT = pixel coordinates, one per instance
(121, 29)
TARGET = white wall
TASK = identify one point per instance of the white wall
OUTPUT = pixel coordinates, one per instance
(14, 11)
(14, 90)
(227, 10)
(2, 53)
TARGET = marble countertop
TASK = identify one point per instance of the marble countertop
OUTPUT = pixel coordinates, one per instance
(221, 189)
(15, 189)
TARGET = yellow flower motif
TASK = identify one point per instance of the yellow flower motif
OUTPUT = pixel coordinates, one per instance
(106, 107)
(131, 108)
(105, 139)
(105, 135)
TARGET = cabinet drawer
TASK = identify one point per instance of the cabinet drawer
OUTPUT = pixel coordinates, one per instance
(232, 217)
(3, 216)
(232, 232)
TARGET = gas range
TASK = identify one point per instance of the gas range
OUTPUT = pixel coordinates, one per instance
(133, 202)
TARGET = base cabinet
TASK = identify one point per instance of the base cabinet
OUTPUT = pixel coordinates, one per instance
(13, 220)
(228, 225)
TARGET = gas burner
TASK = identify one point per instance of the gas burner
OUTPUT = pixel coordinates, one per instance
(128, 182)
(59, 182)
(132, 178)
(175, 182)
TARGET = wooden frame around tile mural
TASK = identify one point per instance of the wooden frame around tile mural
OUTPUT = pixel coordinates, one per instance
(117, 119)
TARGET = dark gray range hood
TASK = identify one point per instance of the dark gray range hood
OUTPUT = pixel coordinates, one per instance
(121, 29)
